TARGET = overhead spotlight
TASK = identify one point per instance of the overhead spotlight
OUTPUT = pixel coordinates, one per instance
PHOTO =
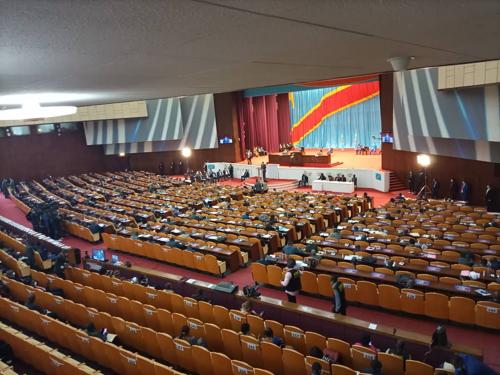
(186, 152)
(122, 154)
(33, 110)
(400, 63)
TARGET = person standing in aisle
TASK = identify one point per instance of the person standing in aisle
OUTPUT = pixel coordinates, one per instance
(291, 282)
(339, 301)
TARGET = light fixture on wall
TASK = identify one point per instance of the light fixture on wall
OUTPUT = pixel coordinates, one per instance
(33, 110)
(424, 161)
(121, 154)
(186, 152)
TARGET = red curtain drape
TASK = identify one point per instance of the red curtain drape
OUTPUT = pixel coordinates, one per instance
(263, 121)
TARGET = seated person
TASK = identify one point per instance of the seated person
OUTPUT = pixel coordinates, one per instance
(464, 364)
(31, 304)
(322, 177)
(304, 180)
(4, 290)
(302, 150)
(320, 152)
(366, 343)
(245, 330)
(399, 350)
(245, 175)
(268, 336)
(260, 186)
(330, 177)
(184, 335)
(92, 331)
(330, 151)
(247, 308)
(316, 352)
(291, 249)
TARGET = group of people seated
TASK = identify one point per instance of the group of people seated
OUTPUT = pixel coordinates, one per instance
(366, 150)
(286, 147)
(209, 175)
(329, 152)
(259, 151)
(256, 152)
(338, 177)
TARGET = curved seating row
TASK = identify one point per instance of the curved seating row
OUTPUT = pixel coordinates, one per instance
(434, 305)
(155, 340)
(205, 319)
(81, 231)
(108, 355)
(189, 259)
(39, 355)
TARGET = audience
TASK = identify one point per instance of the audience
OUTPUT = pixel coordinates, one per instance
(366, 343)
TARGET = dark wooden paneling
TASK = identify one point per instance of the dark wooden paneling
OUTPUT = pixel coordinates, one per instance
(477, 173)
(40, 155)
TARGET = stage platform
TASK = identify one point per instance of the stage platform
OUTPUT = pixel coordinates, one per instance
(341, 158)
(367, 169)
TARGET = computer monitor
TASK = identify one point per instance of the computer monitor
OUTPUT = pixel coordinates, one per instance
(114, 259)
(98, 254)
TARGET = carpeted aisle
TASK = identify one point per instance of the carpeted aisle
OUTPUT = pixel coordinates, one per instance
(489, 342)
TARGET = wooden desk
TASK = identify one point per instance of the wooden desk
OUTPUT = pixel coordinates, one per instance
(229, 256)
(381, 278)
(298, 159)
(416, 268)
(309, 319)
(54, 246)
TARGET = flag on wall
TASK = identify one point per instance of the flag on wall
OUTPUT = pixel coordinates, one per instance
(338, 117)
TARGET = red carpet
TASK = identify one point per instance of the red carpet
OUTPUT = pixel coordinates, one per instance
(489, 342)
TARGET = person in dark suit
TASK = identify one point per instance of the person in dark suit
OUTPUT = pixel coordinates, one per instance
(411, 181)
(464, 191)
(355, 180)
(322, 177)
(304, 180)
(435, 188)
(161, 168)
(453, 190)
(491, 199)
(263, 168)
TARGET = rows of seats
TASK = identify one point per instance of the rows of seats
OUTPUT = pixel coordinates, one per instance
(42, 357)
(20, 248)
(20, 204)
(402, 265)
(218, 326)
(18, 266)
(434, 305)
(185, 258)
(107, 355)
(155, 340)
(81, 231)
(242, 255)
(194, 226)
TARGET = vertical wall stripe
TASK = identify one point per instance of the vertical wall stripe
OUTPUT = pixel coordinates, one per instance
(443, 130)
(492, 112)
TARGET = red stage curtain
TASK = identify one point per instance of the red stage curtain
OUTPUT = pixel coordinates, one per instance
(263, 121)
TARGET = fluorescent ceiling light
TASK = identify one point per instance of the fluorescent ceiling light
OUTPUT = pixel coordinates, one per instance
(33, 111)
(44, 98)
